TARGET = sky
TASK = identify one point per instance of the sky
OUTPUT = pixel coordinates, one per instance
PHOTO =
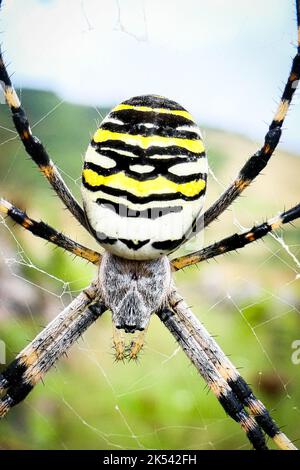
(226, 61)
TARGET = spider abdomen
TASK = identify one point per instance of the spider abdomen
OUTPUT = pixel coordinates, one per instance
(144, 178)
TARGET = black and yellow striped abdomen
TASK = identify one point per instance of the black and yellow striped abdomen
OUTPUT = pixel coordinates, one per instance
(144, 178)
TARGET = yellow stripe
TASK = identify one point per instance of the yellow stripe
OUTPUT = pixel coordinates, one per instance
(195, 146)
(176, 112)
(143, 188)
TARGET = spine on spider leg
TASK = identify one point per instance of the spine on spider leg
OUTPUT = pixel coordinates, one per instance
(215, 381)
(19, 378)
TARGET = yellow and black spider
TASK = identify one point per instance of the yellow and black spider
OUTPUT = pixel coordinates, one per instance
(143, 184)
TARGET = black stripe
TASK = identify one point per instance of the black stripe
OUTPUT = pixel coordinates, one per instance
(291, 214)
(13, 379)
(172, 150)
(150, 213)
(257, 439)
(124, 166)
(102, 238)
(140, 129)
(133, 117)
(245, 394)
(168, 245)
(134, 246)
(265, 421)
(161, 164)
(290, 86)
(14, 372)
(153, 101)
(19, 392)
(37, 228)
(231, 405)
(139, 199)
(235, 410)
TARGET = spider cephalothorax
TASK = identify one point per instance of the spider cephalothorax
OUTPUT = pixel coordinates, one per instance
(143, 185)
(133, 290)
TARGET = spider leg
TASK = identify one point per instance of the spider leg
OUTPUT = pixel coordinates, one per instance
(259, 160)
(31, 364)
(42, 230)
(35, 148)
(228, 371)
(119, 344)
(137, 345)
(217, 384)
(237, 241)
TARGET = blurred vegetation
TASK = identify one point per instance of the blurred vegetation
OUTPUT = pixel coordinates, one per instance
(249, 300)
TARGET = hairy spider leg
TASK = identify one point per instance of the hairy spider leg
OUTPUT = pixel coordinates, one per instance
(257, 162)
(42, 230)
(216, 383)
(229, 372)
(32, 363)
(35, 148)
(237, 240)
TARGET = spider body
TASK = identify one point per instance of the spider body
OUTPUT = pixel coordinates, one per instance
(144, 178)
(143, 185)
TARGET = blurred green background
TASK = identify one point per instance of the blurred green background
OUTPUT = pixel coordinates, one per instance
(248, 300)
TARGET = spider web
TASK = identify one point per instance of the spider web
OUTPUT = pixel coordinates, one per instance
(249, 301)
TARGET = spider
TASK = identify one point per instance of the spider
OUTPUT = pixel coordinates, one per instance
(143, 185)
